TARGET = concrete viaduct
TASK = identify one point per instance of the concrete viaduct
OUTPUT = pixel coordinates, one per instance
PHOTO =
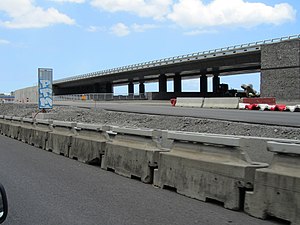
(278, 61)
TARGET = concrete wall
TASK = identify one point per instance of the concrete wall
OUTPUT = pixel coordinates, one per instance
(29, 94)
(280, 70)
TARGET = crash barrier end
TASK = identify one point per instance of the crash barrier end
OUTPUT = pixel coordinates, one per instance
(277, 188)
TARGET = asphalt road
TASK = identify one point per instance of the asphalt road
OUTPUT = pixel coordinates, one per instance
(288, 119)
(44, 188)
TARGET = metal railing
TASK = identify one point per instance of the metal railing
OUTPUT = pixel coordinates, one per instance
(253, 46)
(100, 97)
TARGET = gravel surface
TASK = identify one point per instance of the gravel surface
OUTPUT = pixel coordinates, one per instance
(71, 113)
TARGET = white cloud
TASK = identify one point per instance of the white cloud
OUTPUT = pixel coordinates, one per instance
(143, 27)
(198, 32)
(70, 1)
(95, 29)
(120, 30)
(194, 13)
(4, 42)
(24, 14)
(156, 9)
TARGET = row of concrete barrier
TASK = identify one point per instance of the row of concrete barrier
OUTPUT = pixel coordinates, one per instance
(200, 166)
(226, 103)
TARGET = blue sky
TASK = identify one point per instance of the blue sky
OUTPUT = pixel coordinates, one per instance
(80, 36)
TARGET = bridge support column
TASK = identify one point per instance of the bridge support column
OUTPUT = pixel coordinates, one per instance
(162, 80)
(177, 83)
(109, 87)
(203, 83)
(216, 82)
(280, 70)
(130, 88)
(142, 87)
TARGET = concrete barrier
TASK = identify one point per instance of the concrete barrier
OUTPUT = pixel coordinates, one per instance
(60, 138)
(40, 133)
(26, 130)
(226, 103)
(189, 102)
(6, 125)
(132, 153)
(206, 167)
(277, 188)
(1, 121)
(88, 145)
(15, 126)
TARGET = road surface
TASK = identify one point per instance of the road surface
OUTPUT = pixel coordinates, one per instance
(44, 188)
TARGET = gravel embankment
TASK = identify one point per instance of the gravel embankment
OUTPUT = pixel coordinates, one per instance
(71, 113)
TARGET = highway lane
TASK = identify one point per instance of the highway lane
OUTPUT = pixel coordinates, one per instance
(44, 188)
(288, 119)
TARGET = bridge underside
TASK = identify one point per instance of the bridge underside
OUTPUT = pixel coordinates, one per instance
(203, 69)
(278, 63)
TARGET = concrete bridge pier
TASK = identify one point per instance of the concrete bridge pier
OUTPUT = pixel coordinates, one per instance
(216, 82)
(203, 82)
(177, 83)
(109, 87)
(162, 83)
(130, 88)
(142, 87)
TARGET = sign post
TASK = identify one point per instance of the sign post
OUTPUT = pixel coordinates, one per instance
(45, 79)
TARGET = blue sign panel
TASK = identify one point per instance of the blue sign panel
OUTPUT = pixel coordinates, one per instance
(45, 88)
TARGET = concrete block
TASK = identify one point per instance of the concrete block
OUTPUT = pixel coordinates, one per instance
(14, 129)
(60, 138)
(6, 125)
(131, 155)
(189, 102)
(26, 130)
(277, 188)
(202, 169)
(40, 133)
(1, 121)
(89, 142)
(225, 103)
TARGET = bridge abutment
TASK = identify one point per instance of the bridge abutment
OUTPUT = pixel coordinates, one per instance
(280, 70)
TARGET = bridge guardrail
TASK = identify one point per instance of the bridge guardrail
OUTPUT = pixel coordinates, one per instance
(99, 97)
